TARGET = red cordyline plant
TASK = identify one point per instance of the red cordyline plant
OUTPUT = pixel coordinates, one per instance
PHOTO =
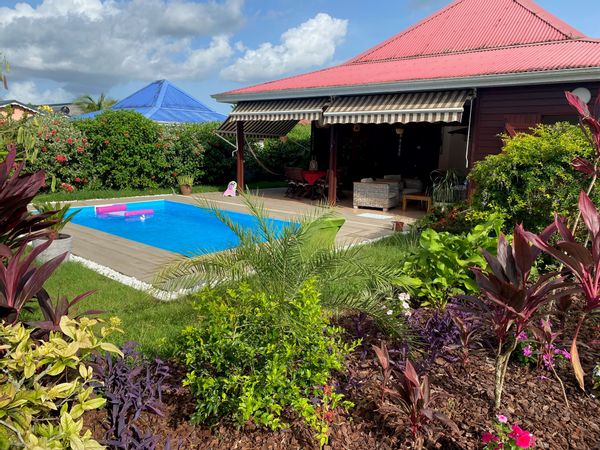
(16, 192)
(582, 263)
(414, 396)
(589, 121)
(512, 299)
(21, 280)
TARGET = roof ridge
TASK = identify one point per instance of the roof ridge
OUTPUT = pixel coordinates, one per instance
(473, 50)
(406, 31)
(542, 14)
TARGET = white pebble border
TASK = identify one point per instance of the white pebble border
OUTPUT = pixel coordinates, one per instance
(133, 282)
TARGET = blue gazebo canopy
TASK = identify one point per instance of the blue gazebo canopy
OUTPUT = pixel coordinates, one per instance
(162, 101)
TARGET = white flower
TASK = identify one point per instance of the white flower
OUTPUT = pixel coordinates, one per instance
(389, 312)
(403, 297)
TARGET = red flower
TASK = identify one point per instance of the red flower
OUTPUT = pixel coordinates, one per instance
(523, 439)
(106, 142)
(57, 139)
(70, 141)
(174, 174)
(53, 132)
(67, 187)
(84, 140)
(77, 180)
(60, 158)
(328, 416)
(44, 149)
(80, 150)
(487, 437)
(157, 145)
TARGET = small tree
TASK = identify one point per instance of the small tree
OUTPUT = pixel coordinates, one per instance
(88, 104)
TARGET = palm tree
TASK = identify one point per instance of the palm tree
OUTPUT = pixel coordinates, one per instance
(88, 104)
(279, 261)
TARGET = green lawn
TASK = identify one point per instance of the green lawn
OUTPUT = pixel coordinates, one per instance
(152, 323)
(61, 196)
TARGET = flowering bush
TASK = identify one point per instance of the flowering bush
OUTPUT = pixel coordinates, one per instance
(184, 146)
(62, 152)
(126, 149)
(507, 437)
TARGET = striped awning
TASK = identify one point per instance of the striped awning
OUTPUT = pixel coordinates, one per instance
(441, 106)
(258, 129)
(277, 110)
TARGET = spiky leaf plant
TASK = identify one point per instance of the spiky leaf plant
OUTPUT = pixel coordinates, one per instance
(278, 261)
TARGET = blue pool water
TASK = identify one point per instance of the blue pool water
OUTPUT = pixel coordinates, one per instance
(174, 226)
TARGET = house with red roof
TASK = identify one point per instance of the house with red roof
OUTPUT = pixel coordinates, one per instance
(436, 96)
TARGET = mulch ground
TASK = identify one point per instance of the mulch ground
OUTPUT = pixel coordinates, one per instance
(532, 398)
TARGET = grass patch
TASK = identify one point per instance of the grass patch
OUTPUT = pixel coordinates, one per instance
(62, 196)
(113, 193)
(152, 323)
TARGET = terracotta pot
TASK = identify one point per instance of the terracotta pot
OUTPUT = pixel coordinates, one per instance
(62, 244)
(185, 189)
(397, 225)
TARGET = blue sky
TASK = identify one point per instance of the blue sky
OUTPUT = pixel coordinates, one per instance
(60, 49)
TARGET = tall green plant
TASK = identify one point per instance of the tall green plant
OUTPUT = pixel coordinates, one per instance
(438, 267)
(279, 261)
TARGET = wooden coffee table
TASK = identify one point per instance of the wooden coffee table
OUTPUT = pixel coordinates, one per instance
(421, 197)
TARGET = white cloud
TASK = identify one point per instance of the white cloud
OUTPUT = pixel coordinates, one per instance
(101, 43)
(312, 43)
(28, 92)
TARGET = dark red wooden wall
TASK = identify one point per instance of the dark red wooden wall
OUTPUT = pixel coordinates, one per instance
(521, 107)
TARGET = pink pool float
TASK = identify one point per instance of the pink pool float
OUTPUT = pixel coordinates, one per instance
(121, 211)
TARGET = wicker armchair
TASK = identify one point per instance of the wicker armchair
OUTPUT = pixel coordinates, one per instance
(379, 194)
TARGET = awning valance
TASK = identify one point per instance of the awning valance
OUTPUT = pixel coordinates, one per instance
(258, 129)
(441, 106)
(278, 110)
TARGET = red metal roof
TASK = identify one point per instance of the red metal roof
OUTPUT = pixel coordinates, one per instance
(468, 38)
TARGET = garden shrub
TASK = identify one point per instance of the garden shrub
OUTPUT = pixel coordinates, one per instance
(460, 218)
(127, 150)
(184, 146)
(438, 267)
(219, 163)
(533, 176)
(251, 356)
(62, 152)
(45, 387)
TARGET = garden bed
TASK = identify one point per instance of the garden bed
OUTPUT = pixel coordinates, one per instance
(532, 398)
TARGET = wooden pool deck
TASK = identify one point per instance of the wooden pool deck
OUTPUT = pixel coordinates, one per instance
(142, 261)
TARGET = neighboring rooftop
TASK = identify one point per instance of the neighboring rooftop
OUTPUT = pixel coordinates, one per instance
(162, 101)
(4, 103)
(468, 40)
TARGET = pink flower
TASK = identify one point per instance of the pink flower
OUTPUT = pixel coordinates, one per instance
(60, 158)
(502, 418)
(522, 336)
(70, 141)
(523, 439)
(527, 351)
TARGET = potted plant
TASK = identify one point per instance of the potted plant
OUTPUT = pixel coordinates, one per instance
(61, 242)
(185, 184)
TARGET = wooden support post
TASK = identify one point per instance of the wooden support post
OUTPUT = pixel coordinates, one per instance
(332, 175)
(240, 141)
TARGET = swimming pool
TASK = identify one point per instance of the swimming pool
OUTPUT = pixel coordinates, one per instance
(176, 227)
